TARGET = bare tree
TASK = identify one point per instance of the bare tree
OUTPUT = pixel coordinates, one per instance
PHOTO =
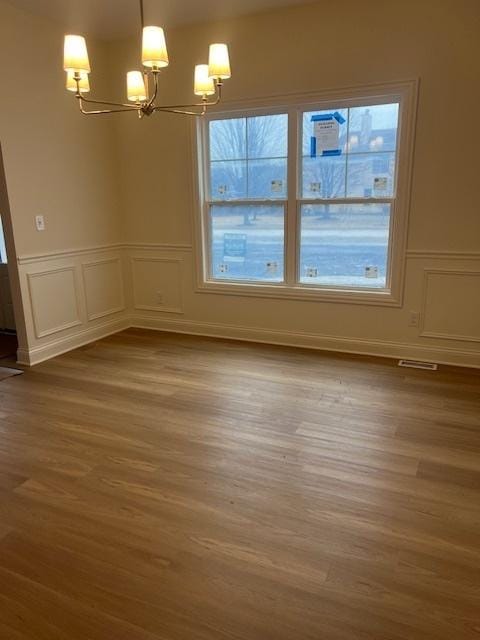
(235, 145)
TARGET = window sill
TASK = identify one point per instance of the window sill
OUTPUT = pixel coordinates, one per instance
(383, 297)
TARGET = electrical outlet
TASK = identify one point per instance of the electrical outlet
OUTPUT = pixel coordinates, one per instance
(414, 319)
(40, 223)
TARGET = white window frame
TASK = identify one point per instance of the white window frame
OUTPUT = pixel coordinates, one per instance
(405, 93)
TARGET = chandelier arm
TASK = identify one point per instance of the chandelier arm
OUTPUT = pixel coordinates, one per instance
(180, 111)
(204, 104)
(127, 107)
(182, 108)
(101, 111)
(169, 107)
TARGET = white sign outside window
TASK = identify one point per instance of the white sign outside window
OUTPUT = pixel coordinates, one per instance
(327, 135)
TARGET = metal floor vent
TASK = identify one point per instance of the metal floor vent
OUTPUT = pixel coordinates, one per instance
(418, 364)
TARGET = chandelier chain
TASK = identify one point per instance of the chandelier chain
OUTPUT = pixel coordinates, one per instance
(142, 14)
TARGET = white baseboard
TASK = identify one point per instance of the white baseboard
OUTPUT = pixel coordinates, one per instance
(67, 343)
(379, 348)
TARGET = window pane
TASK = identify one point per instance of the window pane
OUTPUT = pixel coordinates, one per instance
(247, 242)
(370, 175)
(324, 177)
(267, 179)
(267, 136)
(248, 158)
(367, 156)
(344, 245)
(228, 180)
(228, 139)
(373, 128)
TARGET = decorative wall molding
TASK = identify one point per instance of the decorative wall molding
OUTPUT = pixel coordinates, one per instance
(163, 308)
(443, 255)
(425, 333)
(378, 348)
(37, 324)
(137, 305)
(119, 246)
(72, 253)
(157, 247)
(86, 266)
(148, 246)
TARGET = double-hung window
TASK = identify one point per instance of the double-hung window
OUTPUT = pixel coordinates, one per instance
(308, 199)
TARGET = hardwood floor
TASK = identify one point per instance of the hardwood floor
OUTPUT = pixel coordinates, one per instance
(155, 486)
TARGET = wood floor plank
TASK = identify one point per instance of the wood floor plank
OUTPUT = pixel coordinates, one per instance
(165, 487)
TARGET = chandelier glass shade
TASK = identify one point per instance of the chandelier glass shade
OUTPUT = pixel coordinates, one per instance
(142, 86)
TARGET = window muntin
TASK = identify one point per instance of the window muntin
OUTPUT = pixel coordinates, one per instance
(364, 240)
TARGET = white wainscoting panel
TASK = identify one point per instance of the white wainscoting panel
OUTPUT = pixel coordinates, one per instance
(157, 284)
(451, 305)
(75, 297)
(54, 300)
(104, 288)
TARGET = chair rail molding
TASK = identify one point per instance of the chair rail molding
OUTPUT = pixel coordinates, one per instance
(442, 255)
(117, 246)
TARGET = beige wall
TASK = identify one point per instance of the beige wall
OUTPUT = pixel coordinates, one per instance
(57, 163)
(104, 181)
(324, 45)
(305, 49)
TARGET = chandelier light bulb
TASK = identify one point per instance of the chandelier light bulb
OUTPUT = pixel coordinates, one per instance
(219, 62)
(136, 87)
(204, 86)
(154, 48)
(83, 84)
(75, 57)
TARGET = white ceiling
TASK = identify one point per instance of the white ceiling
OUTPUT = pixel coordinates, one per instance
(111, 19)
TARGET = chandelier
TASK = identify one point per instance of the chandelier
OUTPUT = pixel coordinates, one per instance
(142, 86)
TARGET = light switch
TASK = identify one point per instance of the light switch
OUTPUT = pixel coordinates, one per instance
(40, 223)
